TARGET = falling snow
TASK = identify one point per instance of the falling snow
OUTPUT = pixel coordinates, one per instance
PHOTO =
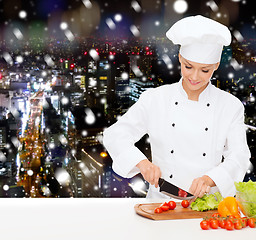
(135, 31)
(90, 117)
(7, 57)
(5, 187)
(102, 25)
(180, 6)
(87, 3)
(110, 23)
(22, 14)
(93, 53)
(214, 7)
(135, 5)
(18, 34)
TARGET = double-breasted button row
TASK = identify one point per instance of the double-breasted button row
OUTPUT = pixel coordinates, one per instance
(208, 104)
(172, 152)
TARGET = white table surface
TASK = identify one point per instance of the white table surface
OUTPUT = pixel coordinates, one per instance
(97, 218)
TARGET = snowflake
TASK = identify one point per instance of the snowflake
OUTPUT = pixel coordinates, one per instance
(118, 17)
(111, 57)
(103, 100)
(94, 54)
(82, 165)
(51, 145)
(2, 157)
(157, 23)
(235, 64)
(84, 133)
(7, 145)
(230, 75)
(180, 6)
(135, 31)
(7, 57)
(63, 140)
(64, 101)
(18, 34)
(214, 7)
(63, 26)
(5, 187)
(30, 172)
(73, 151)
(15, 142)
(90, 117)
(136, 71)
(44, 73)
(124, 75)
(238, 36)
(70, 36)
(19, 59)
(62, 176)
(87, 3)
(167, 61)
(110, 23)
(136, 6)
(49, 60)
(22, 14)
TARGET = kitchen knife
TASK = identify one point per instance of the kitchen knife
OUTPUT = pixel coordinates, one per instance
(173, 191)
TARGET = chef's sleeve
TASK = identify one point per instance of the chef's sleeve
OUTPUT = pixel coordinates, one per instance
(120, 138)
(236, 157)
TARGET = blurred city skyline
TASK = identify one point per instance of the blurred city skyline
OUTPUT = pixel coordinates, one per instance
(69, 69)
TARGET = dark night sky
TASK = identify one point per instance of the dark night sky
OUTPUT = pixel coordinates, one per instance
(84, 21)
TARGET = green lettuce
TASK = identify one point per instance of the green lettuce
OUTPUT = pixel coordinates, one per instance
(246, 194)
(207, 202)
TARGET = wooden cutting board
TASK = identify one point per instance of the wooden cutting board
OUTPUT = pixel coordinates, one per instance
(147, 210)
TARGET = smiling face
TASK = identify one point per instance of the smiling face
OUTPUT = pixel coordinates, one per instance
(196, 76)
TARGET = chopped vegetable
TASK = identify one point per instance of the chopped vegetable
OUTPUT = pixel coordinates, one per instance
(207, 202)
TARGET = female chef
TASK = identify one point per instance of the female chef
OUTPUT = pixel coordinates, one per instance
(196, 131)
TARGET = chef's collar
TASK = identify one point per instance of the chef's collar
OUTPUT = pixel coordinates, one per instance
(203, 95)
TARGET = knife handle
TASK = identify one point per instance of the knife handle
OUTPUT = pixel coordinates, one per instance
(160, 182)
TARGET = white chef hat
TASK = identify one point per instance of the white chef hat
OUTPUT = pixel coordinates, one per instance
(201, 39)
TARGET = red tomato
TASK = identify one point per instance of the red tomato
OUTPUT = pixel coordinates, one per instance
(182, 193)
(232, 218)
(185, 203)
(238, 224)
(158, 210)
(164, 204)
(204, 225)
(251, 222)
(165, 208)
(229, 225)
(215, 215)
(244, 222)
(214, 224)
(222, 223)
(172, 205)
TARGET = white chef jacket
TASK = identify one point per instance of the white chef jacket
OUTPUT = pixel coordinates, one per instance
(188, 138)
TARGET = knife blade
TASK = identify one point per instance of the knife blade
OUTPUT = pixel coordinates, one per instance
(171, 190)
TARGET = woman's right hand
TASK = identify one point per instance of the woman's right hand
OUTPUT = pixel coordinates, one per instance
(150, 172)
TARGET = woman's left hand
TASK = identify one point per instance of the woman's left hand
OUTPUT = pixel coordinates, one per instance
(201, 186)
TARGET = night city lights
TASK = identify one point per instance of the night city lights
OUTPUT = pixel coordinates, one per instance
(69, 69)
